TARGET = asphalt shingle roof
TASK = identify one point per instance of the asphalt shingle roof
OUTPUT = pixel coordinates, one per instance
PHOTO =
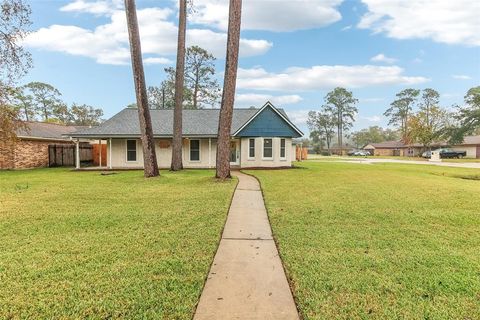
(388, 145)
(201, 122)
(47, 130)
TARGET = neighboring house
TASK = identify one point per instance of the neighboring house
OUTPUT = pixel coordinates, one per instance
(260, 138)
(31, 150)
(471, 144)
(387, 148)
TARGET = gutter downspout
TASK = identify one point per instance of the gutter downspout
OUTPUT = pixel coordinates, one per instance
(110, 153)
(209, 152)
(77, 154)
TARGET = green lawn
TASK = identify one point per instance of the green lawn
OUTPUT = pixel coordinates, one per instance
(336, 158)
(382, 241)
(83, 245)
(462, 160)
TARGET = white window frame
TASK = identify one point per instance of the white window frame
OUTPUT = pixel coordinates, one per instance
(254, 151)
(190, 150)
(136, 151)
(263, 149)
(284, 149)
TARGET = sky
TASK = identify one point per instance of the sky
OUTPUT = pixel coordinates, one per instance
(292, 52)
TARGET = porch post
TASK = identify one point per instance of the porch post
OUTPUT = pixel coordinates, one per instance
(209, 152)
(77, 154)
(110, 153)
(100, 162)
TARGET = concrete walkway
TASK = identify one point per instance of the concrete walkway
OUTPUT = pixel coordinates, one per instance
(246, 280)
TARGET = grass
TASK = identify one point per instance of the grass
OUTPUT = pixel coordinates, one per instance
(336, 158)
(83, 245)
(462, 160)
(346, 157)
(382, 241)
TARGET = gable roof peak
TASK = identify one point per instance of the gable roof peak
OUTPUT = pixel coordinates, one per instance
(277, 111)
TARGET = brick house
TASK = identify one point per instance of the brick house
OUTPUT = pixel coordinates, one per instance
(31, 148)
(387, 148)
(470, 144)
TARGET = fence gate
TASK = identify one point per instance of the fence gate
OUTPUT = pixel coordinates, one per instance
(63, 155)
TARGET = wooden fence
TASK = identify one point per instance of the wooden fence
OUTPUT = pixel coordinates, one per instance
(301, 153)
(96, 154)
(63, 155)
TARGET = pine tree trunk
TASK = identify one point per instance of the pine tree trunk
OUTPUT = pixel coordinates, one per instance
(195, 95)
(146, 131)
(179, 79)
(340, 133)
(228, 96)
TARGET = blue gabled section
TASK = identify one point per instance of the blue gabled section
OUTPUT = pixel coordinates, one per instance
(268, 123)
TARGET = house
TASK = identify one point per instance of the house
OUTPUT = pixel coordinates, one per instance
(31, 150)
(470, 144)
(259, 138)
(387, 148)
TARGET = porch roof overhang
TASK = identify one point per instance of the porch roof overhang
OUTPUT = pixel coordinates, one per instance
(66, 139)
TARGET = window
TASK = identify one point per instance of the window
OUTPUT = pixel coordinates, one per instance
(194, 150)
(267, 148)
(131, 150)
(251, 148)
(282, 148)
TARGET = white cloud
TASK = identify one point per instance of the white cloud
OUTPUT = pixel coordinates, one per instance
(298, 117)
(215, 42)
(367, 100)
(271, 15)
(253, 99)
(445, 21)
(346, 28)
(157, 60)
(461, 77)
(450, 95)
(373, 118)
(102, 7)
(108, 43)
(382, 58)
(324, 77)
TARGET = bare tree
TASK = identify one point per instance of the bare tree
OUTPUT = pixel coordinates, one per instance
(14, 63)
(14, 24)
(146, 131)
(228, 96)
(179, 84)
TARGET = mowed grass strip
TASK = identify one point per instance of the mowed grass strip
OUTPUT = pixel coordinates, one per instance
(382, 241)
(83, 245)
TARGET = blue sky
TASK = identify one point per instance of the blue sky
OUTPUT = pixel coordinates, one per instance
(292, 52)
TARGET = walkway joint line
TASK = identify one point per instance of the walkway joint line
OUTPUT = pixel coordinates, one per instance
(246, 279)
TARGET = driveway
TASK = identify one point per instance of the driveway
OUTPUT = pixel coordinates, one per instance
(473, 165)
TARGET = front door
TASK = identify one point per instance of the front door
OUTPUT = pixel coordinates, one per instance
(234, 153)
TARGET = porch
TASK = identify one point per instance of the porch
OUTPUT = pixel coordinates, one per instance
(127, 154)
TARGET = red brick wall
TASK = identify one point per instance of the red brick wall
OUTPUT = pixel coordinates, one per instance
(6, 155)
(25, 154)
